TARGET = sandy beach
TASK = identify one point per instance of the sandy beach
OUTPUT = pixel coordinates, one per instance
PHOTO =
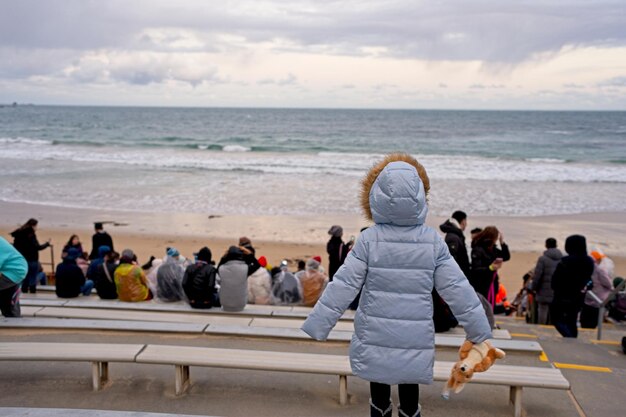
(295, 237)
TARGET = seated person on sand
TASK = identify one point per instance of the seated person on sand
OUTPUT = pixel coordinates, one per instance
(130, 281)
(170, 278)
(259, 286)
(200, 280)
(70, 281)
(232, 279)
(151, 269)
(91, 271)
(73, 242)
(312, 281)
(286, 288)
(103, 276)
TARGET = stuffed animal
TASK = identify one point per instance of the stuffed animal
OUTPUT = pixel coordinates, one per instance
(473, 358)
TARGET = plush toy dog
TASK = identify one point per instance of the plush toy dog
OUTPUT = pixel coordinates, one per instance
(473, 358)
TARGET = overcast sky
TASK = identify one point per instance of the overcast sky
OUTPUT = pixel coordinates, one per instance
(470, 54)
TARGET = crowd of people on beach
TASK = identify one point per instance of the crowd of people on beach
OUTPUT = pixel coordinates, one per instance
(560, 290)
(239, 278)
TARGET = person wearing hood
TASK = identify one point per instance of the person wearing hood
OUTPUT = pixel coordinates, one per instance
(232, 279)
(541, 283)
(25, 241)
(570, 282)
(455, 239)
(99, 238)
(396, 263)
(70, 281)
(200, 280)
(103, 276)
(286, 288)
(312, 282)
(130, 281)
(337, 250)
(13, 269)
(95, 263)
(170, 278)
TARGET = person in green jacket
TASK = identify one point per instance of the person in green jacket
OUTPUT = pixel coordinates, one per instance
(13, 268)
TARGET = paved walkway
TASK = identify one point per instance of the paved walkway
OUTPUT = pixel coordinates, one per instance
(597, 380)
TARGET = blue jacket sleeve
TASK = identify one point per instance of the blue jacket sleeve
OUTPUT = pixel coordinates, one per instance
(456, 290)
(339, 293)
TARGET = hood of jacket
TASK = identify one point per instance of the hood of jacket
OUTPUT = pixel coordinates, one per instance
(451, 226)
(395, 191)
(576, 245)
(553, 253)
(28, 231)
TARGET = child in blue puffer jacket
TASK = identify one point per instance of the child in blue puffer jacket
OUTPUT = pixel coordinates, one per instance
(396, 264)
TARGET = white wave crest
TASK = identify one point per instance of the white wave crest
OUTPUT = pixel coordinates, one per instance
(24, 141)
(235, 148)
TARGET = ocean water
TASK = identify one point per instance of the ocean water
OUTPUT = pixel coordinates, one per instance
(308, 161)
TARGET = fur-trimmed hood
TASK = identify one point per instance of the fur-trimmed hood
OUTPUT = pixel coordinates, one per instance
(395, 191)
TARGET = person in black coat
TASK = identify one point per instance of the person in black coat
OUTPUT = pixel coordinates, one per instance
(199, 281)
(25, 241)
(70, 281)
(455, 239)
(487, 259)
(103, 276)
(337, 250)
(100, 238)
(570, 282)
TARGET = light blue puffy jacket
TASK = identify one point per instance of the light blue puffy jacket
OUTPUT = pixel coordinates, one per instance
(396, 263)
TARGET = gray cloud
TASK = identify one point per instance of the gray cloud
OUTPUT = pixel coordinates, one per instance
(614, 82)
(491, 31)
(290, 79)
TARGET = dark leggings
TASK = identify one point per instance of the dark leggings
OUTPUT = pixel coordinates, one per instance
(409, 396)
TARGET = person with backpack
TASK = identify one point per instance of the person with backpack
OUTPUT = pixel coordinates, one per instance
(199, 281)
(396, 263)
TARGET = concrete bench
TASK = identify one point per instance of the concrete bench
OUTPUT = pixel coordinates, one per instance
(99, 354)
(113, 325)
(183, 357)
(515, 377)
(69, 412)
(89, 319)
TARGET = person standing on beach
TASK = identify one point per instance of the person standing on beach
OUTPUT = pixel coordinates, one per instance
(542, 279)
(570, 282)
(487, 259)
(13, 269)
(100, 238)
(396, 263)
(337, 250)
(455, 239)
(25, 241)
